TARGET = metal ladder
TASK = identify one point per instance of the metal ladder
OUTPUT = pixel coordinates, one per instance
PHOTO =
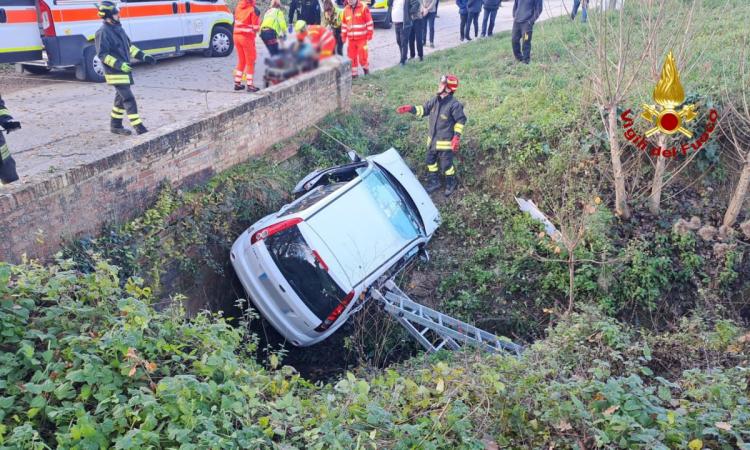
(435, 330)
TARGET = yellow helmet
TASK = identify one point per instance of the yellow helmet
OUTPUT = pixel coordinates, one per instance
(300, 26)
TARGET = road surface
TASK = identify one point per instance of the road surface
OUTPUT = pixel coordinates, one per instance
(66, 122)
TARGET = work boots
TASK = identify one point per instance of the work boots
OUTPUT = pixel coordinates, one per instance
(8, 172)
(115, 126)
(433, 182)
(366, 71)
(238, 86)
(451, 184)
(140, 129)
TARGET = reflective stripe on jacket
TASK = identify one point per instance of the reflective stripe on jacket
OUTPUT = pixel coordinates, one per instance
(357, 23)
(322, 38)
(447, 119)
(114, 49)
(274, 20)
(246, 19)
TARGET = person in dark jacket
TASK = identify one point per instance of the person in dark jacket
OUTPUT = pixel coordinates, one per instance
(8, 172)
(525, 13)
(464, 14)
(115, 50)
(307, 10)
(447, 120)
(401, 16)
(416, 36)
(490, 12)
(474, 7)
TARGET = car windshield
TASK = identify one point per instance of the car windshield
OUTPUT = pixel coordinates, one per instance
(305, 271)
(366, 226)
(311, 198)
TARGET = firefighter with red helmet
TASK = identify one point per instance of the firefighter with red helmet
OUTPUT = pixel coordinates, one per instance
(447, 122)
(115, 51)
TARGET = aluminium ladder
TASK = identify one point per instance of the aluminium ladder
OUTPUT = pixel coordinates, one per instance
(435, 330)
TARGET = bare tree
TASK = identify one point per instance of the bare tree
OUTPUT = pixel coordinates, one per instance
(736, 127)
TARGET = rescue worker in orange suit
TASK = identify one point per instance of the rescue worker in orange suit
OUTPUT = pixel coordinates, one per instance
(447, 122)
(322, 40)
(115, 50)
(357, 28)
(246, 26)
(8, 172)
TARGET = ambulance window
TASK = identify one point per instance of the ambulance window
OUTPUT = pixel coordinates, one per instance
(16, 3)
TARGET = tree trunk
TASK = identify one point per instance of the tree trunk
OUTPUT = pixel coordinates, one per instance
(621, 202)
(654, 201)
(738, 197)
(571, 280)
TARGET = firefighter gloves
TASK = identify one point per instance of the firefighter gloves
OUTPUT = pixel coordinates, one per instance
(125, 67)
(9, 124)
(149, 59)
(405, 109)
(455, 143)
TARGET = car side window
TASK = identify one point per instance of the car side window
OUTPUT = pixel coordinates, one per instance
(311, 198)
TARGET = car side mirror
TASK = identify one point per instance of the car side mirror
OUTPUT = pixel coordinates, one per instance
(353, 156)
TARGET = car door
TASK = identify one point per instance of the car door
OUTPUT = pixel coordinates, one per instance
(154, 26)
(20, 39)
(196, 24)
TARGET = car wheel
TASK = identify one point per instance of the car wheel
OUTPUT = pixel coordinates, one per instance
(221, 43)
(93, 68)
(35, 70)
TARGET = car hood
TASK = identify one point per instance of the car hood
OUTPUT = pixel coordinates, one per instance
(395, 165)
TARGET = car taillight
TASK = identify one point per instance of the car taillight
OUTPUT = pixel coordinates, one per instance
(48, 24)
(273, 229)
(336, 313)
(320, 261)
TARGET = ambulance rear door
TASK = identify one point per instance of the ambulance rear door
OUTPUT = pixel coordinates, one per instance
(20, 39)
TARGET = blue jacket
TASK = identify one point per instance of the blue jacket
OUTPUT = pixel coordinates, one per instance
(527, 10)
(491, 4)
(462, 4)
(474, 6)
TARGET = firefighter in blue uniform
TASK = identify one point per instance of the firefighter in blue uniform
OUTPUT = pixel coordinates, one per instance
(447, 122)
(115, 50)
(8, 172)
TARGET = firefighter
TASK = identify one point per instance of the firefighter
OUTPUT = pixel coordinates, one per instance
(246, 26)
(358, 28)
(322, 40)
(8, 172)
(447, 121)
(115, 50)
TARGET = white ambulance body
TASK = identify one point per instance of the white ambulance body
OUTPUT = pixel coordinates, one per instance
(45, 34)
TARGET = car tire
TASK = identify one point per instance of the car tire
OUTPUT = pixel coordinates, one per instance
(91, 68)
(35, 70)
(221, 43)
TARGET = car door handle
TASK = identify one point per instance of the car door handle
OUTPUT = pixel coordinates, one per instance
(174, 8)
(187, 6)
(3, 16)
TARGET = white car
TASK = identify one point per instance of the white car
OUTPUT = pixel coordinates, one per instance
(308, 265)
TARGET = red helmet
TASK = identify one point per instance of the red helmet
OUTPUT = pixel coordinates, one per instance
(451, 82)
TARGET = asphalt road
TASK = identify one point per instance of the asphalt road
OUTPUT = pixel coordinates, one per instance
(66, 122)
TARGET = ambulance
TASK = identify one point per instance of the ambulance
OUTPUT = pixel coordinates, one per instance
(47, 34)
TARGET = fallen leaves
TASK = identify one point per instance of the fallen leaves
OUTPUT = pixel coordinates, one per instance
(611, 410)
(723, 426)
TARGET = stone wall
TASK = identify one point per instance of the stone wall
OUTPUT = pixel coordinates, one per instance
(36, 218)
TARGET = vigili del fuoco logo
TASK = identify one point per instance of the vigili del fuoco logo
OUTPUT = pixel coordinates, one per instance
(666, 118)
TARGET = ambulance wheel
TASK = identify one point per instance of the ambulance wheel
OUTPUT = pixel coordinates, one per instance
(92, 67)
(35, 70)
(221, 43)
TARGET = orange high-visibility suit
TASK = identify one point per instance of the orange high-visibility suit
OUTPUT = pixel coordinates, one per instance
(322, 40)
(357, 28)
(246, 26)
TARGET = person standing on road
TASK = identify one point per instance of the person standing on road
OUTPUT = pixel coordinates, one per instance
(525, 13)
(332, 15)
(416, 36)
(401, 13)
(463, 12)
(584, 4)
(357, 28)
(430, 12)
(307, 10)
(246, 26)
(447, 120)
(490, 12)
(8, 172)
(273, 27)
(114, 49)
(473, 7)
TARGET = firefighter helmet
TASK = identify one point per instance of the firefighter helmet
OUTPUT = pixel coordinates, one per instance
(450, 81)
(107, 9)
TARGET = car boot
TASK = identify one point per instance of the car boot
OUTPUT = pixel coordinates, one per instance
(451, 184)
(433, 182)
(140, 129)
(115, 126)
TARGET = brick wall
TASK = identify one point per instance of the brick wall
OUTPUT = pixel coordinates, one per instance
(35, 219)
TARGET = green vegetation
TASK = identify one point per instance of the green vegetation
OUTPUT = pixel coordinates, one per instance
(654, 354)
